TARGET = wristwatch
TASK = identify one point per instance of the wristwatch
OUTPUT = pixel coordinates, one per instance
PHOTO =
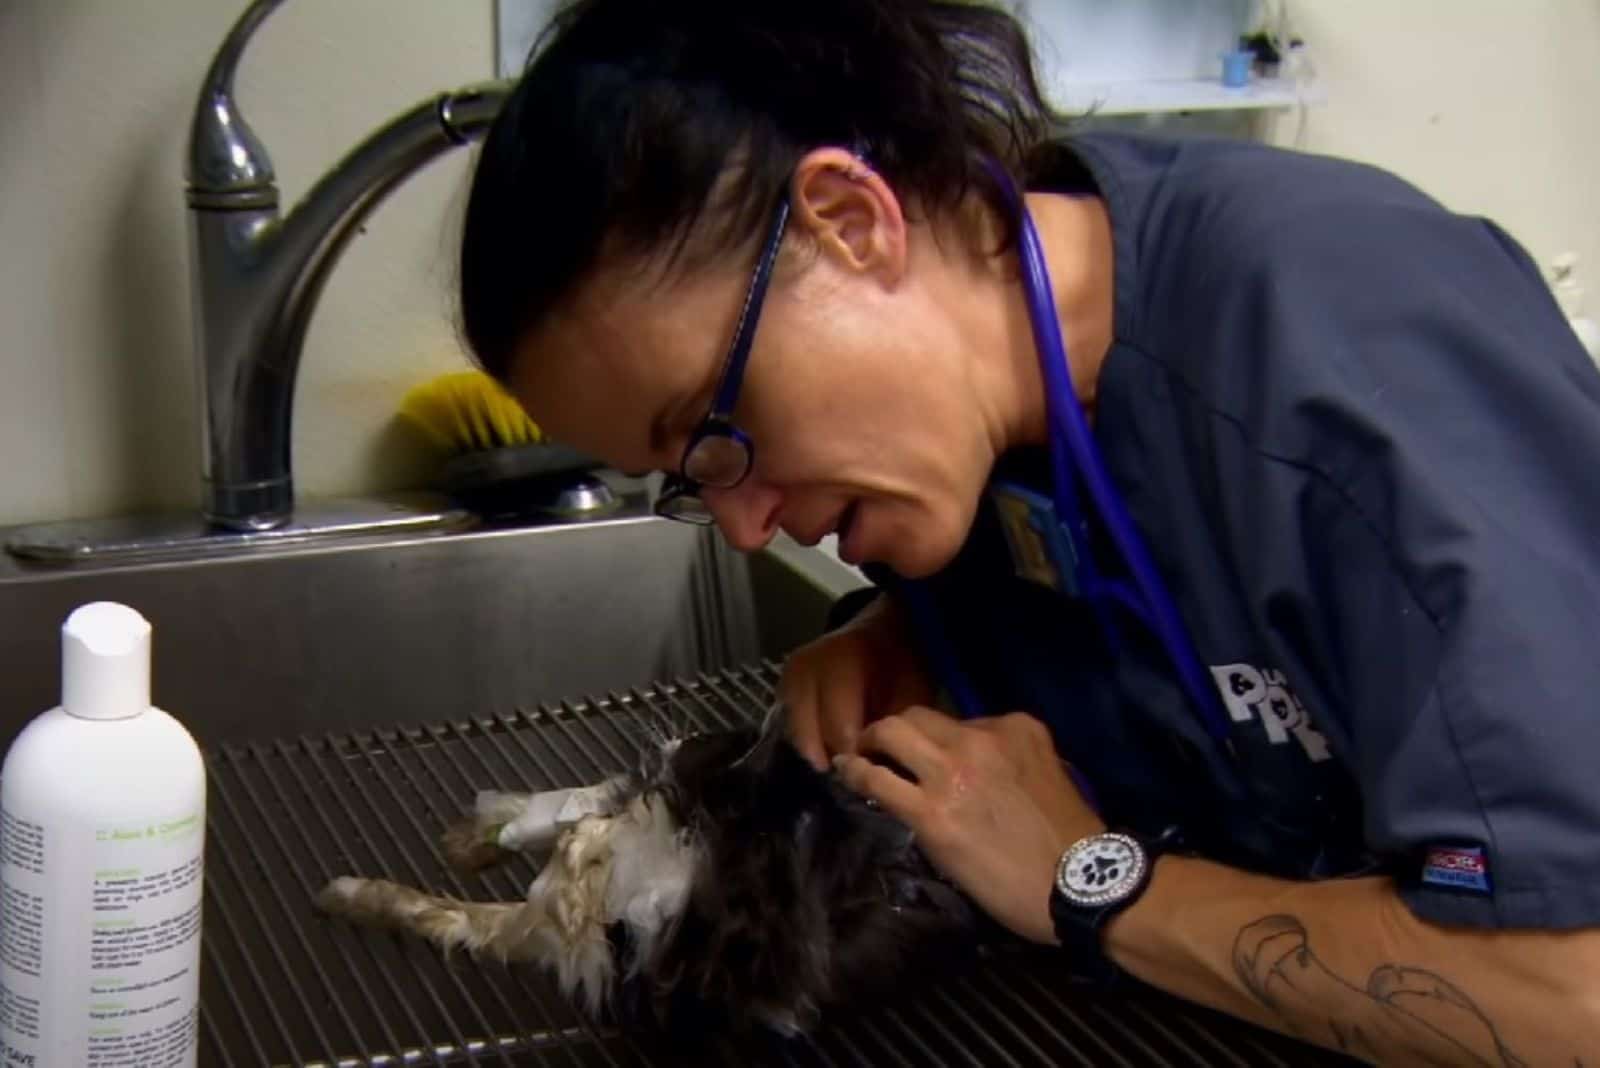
(1096, 878)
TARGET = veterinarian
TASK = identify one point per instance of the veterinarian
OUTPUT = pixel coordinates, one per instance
(1243, 502)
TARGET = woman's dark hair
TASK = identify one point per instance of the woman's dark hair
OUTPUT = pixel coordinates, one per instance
(637, 121)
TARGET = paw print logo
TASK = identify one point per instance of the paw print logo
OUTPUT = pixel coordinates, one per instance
(1099, 872)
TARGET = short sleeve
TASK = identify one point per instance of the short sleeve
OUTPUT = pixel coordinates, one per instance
(1405, 447)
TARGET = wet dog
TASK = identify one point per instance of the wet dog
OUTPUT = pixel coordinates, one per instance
(723, 883)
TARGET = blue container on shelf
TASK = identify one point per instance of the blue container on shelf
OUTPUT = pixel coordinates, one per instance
(1236, 68)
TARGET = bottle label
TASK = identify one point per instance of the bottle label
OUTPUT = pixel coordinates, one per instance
(99, 943)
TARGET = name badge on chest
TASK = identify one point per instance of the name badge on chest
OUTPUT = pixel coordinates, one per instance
(1041, 550)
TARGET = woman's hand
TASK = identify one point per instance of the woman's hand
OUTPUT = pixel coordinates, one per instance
(836, 685)
(992, 806)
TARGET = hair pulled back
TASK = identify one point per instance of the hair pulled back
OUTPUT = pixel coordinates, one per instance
(640, 122)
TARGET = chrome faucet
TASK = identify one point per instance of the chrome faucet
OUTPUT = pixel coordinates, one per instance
(256, 275)
(255, 279)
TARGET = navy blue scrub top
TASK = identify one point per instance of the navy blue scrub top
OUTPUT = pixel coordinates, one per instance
(1363, 447)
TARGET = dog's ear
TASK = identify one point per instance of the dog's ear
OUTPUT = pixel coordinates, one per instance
(704, 759)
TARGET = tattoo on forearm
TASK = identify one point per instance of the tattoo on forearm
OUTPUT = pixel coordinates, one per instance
(1402, 1016)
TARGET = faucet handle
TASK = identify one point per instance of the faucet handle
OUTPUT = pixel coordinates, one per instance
(228, 166)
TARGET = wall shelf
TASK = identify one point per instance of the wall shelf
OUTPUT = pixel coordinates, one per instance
(1141, 58)
(1180, 95)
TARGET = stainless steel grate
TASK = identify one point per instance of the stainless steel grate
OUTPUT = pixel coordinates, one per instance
(284, 986)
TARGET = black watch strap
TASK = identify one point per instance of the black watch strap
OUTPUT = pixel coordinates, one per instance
(1080, 926)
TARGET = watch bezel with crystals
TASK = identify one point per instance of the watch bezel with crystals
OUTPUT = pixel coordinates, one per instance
(1127, 884)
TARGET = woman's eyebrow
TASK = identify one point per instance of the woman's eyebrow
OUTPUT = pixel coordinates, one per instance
(661, 426)
(666, 421)
(672, 412)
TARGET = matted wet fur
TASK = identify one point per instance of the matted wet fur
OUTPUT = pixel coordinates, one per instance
(724, 884)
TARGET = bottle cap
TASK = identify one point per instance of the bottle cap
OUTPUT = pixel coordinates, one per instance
(105, 662)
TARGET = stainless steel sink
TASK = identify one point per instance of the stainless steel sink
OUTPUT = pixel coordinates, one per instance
(352, 698)
(274, 642)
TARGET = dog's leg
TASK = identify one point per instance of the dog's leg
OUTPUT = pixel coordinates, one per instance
(447, 922)
(561, 925)
(504, 823)
(473, 843)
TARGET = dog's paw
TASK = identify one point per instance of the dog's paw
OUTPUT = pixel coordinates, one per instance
(470, 845)
(338, 898)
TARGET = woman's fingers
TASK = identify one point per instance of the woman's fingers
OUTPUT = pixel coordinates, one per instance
(906, 741)
(834, 685)
(805, 732)
(797, 692)
(941, 727)
(991, 807)
(841, 710)
(824, 694)
(899, 797)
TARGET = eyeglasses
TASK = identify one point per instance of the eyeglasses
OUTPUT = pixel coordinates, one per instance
(719, 454)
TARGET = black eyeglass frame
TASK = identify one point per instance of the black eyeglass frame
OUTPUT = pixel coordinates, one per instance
(680, 494)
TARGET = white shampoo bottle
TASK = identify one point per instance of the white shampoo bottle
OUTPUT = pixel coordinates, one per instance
(102, 834)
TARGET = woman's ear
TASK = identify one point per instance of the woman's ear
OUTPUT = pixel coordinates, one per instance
(851, 214)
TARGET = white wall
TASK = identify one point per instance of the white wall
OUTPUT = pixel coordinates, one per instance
(1493, 106)
(96, 392)
(1489, 104)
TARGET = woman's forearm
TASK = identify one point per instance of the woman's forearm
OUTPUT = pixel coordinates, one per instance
(1346, 965)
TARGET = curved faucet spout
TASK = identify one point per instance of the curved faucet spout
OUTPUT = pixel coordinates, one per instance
(225, 156)
(309, 241)
(256, 277)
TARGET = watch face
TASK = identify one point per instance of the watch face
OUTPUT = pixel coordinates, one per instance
(1101, 869)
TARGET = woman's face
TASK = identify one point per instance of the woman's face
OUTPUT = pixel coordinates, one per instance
(858, 395)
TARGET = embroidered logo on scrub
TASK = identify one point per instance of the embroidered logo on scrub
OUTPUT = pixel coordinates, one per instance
(1258, 693)
(1457, 867)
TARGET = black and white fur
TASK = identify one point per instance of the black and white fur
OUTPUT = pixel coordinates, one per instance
(725, 883)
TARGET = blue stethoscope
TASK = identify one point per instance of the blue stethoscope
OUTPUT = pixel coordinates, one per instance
(1049, 536)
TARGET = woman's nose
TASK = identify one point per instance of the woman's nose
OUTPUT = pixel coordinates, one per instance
(747, 514)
